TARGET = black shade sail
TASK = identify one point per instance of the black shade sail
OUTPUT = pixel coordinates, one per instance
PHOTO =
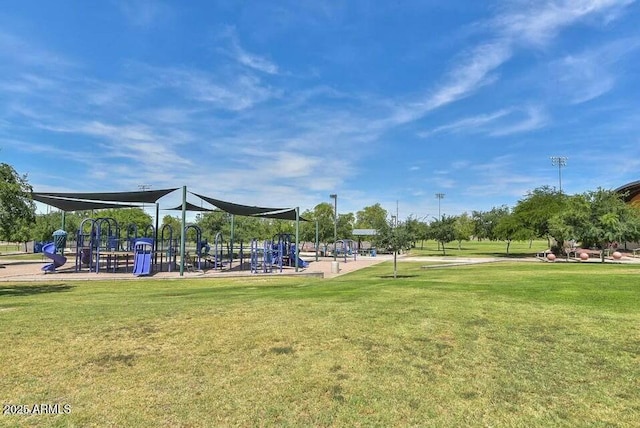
(143, 196)
(252, 211)
(76, 205)
(190, 207)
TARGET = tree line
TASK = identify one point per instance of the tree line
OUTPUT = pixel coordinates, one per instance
(593, 219)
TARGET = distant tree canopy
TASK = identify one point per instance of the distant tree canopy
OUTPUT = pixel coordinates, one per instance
(596, 219)
(371, 217)
(17, 209)
(538, 207)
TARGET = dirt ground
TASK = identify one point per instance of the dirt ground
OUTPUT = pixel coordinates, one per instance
(31, 270)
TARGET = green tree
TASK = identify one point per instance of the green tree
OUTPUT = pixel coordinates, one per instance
(509, 228)
(443, 231)
(323, 214)
(345, 225)
(597, 218)
(463, 228)
(174, 222)
(126, 217)
(393, 238)
(371, 217)
(17, 209)
(537, 208)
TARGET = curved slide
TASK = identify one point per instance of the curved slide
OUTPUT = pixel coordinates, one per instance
(142, 259)
(49, 250)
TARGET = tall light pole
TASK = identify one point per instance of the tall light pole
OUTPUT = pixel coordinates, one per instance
(335, 224)
(142, 188)
(559, 161)
(439, 196)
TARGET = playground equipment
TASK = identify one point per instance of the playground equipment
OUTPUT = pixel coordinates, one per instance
(345, 248)
(51, 250)
(265, 258)
(189, 259)
(288, 250)
(99, 246)
(167, 248)
(143, 249)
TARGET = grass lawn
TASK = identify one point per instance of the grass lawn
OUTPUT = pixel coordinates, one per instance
(504, 344)
(481, 248)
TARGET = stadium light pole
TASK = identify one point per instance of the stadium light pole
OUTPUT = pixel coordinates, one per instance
(144, 188)
(334, 196)
(439, 196)
(559, 161)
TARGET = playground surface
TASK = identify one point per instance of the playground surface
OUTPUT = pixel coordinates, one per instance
(31, 270)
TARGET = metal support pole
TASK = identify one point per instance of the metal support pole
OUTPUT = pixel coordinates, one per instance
(335, 225)
(297, 237)
(231, 242)
(317, 240)
(183, 232)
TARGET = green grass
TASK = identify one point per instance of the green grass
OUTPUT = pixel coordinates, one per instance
(6, 247)
(505, 344)
(481, 248)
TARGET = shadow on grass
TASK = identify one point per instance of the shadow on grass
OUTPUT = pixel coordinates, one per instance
(29, 290)
(397, 276)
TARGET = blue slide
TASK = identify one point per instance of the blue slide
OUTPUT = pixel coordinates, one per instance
(49, 250)
(142, 259)
(301, 263)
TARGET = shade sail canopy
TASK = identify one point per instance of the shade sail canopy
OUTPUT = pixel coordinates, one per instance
(144, 196)
(252, 211)
(190, 207)
(76, 205)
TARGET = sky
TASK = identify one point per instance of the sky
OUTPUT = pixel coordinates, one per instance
(282, 103)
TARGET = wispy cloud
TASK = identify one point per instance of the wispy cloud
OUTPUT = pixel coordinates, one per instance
(469, 124)
(536, 24)
(534, 118)
(496, 124)
(244, 57)
(144, 13)
(590, 74)
(524, 24)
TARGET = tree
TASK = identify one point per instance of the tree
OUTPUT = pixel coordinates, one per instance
(393, 239)
(345, 225)
(323, 214)
(126, 217)
(371, 217)
(443, 231)
(596, 218)
(463, 228)
(509, 228)
(416, 230)
(17, 208)
(538, 207)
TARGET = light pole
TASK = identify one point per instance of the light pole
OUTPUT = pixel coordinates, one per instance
(142, 188)
(559, 161)
(439, 196)
(334, 196)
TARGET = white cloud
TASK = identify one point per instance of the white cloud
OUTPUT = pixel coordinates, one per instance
(524, 24)
(144, 13)
(536, 24)
(535, 118)
(469, 124)
(590, 74)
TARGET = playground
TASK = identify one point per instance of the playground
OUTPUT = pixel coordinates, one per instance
(20, 269)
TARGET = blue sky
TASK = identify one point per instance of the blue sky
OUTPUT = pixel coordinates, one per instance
(281, 103)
